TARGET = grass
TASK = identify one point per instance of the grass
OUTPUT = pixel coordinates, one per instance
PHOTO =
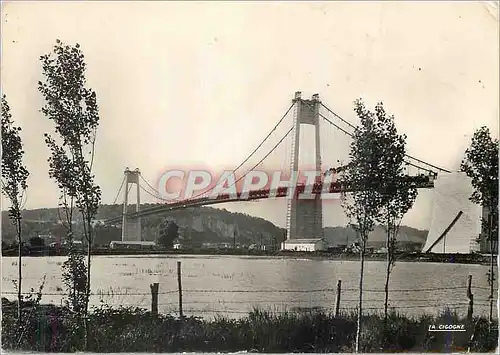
(54, 329)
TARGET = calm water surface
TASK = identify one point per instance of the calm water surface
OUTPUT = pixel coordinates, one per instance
(233, 285)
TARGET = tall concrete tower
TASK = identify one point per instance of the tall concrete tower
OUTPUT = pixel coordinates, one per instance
(131, 227)
(305, 217)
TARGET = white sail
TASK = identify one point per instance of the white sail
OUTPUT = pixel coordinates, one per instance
(451, 195)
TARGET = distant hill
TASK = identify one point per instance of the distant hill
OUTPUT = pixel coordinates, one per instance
(346, 235)
(199, 224)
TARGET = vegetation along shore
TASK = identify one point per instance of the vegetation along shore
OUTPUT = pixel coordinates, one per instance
(477, 259)
(56, 329)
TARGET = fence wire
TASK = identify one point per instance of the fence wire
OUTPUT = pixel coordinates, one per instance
(346, 304)
(321, 290)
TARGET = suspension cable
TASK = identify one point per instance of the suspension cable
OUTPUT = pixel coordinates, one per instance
(148, 192)
(149, 185)
(432, 166)
(340, 118)
(119, 190)
(239, 179)
(251, 169)
(407, 155)
(265, 139)
(333, 124)
(239, 166)
(351, 135)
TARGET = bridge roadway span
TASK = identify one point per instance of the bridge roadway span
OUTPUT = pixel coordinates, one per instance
(420, 181)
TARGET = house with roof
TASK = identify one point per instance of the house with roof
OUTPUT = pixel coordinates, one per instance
(311, 244)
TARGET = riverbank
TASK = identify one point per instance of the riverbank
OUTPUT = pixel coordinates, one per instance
(53, 329)
(480, 259)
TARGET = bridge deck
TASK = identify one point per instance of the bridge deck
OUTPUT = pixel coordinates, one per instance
(301, 191)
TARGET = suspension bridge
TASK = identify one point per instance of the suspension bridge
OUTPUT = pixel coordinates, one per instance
(304, 216)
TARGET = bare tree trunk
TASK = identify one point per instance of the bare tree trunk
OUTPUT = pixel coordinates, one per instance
(89, 251)
(87, 298)
(492, 270)
(387, 276)
(360, 304)
(387, 272)
(19, 270)
(390, 256)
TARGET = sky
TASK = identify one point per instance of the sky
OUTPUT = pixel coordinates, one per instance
(202, 83)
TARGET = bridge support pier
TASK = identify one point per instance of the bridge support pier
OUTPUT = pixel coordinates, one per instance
(131, 227)
(305, 217)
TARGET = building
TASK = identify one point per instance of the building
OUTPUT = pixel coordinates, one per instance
(77, 244)
(131, 245)
(209, 245)
(316, 244)
(261, 247)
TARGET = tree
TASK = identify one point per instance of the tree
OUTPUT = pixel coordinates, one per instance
(74, 277)
(397, 192)
(73, 109)
(14, 182)
(106, 234)
(168, 233)
(363, 173)
(481, 165)
(37, 242)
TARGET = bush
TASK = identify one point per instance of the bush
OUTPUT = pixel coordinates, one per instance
(57, 329)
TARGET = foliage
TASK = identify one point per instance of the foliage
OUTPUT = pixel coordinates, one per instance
(14, 173)
(365, 174)
(14, 179)
(363, 204)
(397, 193)
(74, 277)
(13, 336)
(381, 191)
(168, 233)
(37, 242)
(103, 235)
(136, 330)
(481, 165)
(73, 109)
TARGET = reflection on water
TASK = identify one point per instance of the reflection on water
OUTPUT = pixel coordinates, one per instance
(233, 285)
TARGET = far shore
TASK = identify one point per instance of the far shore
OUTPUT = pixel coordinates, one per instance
(481, 259)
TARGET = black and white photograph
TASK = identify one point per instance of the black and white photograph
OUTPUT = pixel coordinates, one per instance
(249, 176)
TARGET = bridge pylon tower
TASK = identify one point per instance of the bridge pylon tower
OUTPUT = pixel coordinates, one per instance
(305, 217)
(131, 226)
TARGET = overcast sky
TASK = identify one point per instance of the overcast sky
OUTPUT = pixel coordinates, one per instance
(184, 83)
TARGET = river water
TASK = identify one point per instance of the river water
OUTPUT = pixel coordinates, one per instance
(233, 285)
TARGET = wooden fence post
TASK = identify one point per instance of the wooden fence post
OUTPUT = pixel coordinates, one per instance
(179, 282)
(154, 298)
(470, 296)
(337, 305)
